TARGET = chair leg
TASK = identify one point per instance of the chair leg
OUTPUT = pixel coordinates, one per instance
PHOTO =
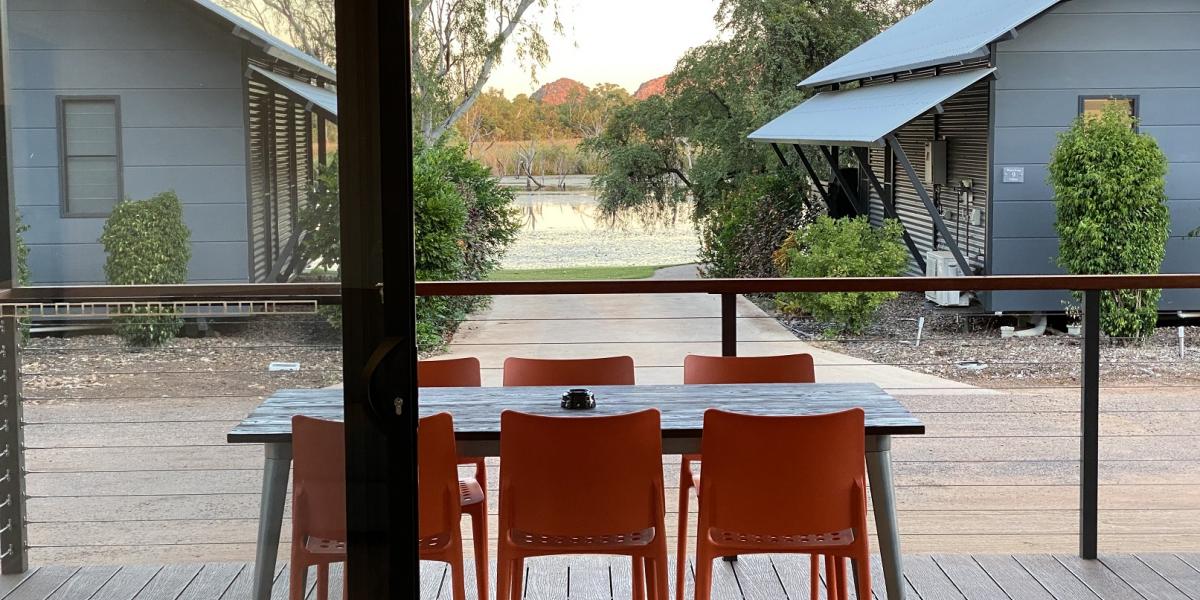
(843, 591)
(479, 534)
(518, 579)
(661, 591)
(297, 580)
(458, 585)
(503, 575)
(831, 587)
(862, 568)
(639, 578)
(681, 551)
(323, 581)
(704, 567)
(814, 576)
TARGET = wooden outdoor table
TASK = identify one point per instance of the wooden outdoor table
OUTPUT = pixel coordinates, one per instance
(477, 411)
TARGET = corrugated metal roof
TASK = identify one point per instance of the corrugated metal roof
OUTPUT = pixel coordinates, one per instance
(945, 31)
(323, 100)
(864, 116)
(272, 45)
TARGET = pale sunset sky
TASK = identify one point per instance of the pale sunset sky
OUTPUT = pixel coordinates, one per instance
(625, 42)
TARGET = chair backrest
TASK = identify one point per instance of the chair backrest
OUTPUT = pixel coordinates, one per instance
(454, 372)
(581, 475)
(616, 370)
(791, 368)
(319, 478)
(437, 472)
(784, 475)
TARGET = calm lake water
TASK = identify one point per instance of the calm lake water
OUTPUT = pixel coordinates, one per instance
(566, 229)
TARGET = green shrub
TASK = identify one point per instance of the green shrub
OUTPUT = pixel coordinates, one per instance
(24, 275)
(147, 242)
(738, 238)
(464, 223)
(1110, 193)
(841, 248)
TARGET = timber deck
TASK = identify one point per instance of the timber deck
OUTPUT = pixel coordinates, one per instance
(964, 577)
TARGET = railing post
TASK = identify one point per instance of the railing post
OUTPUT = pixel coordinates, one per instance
(728, 324)
(1089, 441)
(14, 556)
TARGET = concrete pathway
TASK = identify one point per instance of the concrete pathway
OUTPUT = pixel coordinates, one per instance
(657, 330)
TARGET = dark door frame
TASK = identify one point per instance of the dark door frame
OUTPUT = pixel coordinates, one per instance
(378, 322)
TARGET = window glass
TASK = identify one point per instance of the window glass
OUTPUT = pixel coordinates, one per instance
(91, 156)
(1094, 107)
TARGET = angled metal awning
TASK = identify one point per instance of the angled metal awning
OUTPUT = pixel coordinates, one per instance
(320, 100)
(864, 116)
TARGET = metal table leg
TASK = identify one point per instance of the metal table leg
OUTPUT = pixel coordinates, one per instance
(276, 469)
(883, 499)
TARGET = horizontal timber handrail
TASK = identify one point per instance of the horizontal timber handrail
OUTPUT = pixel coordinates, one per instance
(331, 293)
(847, 284)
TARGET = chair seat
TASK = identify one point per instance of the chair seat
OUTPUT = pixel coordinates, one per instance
(616, 541)
(324, 547)
(470, 491)
(833, 539)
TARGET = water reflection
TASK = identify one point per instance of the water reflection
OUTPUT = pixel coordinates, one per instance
(580, 212)
(568, 229)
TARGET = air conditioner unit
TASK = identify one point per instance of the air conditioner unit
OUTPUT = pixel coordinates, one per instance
(941, 263)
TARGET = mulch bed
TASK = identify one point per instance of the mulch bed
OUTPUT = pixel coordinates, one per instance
(965, 345)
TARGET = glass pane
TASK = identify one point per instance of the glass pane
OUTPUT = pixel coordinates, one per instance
(1094, 107)
(90, 127)
(92, 186)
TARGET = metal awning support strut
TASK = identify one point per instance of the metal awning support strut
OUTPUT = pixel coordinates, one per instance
(851, 193)
(864, 162)
(938, 222)
(812, 174)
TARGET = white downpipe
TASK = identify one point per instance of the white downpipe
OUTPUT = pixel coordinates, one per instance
(1038, 329)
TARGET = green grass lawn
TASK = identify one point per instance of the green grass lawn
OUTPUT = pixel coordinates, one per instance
(572, 274)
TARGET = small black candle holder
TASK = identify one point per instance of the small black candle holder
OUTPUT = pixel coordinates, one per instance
(578, 399)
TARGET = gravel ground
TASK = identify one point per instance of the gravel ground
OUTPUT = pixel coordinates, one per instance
(233, 360)
(965, 345)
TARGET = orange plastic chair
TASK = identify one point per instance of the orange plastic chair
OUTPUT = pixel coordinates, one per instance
(318, 502)
(582, 485)
(791, 368)
(464, 372)
(813, 501)
(617, 370)
(440, 536)
(453, 372)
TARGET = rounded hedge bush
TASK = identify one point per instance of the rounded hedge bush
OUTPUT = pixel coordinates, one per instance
(841, 248)
(1110, 194)
(147, 242)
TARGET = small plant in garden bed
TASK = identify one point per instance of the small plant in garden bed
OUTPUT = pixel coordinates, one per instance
(147, 242)
(841, 248)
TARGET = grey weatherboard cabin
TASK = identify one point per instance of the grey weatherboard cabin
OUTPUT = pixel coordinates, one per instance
(969, 96)
(114, 99)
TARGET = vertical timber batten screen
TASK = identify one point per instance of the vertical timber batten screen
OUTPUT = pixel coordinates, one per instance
(281, 174)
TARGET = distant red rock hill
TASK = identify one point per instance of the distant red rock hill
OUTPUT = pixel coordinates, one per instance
(559, 92)
(654, 87)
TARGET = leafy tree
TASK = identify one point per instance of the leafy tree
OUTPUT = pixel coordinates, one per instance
(308, 24)
(842, 248)
(1110, 193)
(456, 44)
(587, 115)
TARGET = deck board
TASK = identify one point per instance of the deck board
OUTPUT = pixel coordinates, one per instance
(768, 577)
(1142, 578)
(968, 577)
(127, 583)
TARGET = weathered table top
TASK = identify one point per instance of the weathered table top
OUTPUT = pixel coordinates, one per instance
(477, 410)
